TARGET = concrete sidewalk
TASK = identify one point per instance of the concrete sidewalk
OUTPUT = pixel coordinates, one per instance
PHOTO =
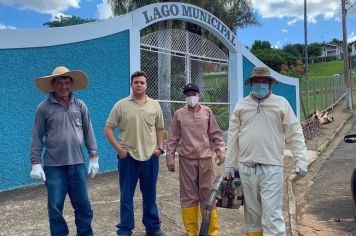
(24, 212)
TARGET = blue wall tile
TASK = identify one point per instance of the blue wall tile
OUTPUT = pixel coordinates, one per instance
(106, 62)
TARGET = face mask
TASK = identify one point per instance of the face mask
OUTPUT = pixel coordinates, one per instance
(260, 90)
(192, 100)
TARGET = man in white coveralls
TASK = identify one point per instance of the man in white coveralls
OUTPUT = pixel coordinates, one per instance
(259, 128)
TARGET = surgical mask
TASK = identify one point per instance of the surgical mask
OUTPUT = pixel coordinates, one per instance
(192, 100)
(260, 90)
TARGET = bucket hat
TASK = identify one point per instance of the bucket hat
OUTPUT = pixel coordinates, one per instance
(261, 72)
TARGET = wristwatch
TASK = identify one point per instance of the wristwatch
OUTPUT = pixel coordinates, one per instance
(162, 151)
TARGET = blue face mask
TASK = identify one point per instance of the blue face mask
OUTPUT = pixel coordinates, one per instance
(260, 90)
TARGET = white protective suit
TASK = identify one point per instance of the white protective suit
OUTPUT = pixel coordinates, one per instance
(256, 140)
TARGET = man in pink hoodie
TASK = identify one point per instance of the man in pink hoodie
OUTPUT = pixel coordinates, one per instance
(195, 135)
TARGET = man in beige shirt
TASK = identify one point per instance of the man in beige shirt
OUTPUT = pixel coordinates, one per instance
(195, 135)
(259, 127)
(139, 120)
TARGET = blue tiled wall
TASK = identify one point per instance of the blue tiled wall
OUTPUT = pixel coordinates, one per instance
(281, 89)
(106, 62)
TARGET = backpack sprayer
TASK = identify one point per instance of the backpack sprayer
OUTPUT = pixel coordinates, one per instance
(226, 193)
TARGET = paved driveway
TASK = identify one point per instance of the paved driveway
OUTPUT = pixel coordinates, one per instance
(324, 197)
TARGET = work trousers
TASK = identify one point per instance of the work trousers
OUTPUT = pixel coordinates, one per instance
(71, 180)
(263, 189)
(130, 172)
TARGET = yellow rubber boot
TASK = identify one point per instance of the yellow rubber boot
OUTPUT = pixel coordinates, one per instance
(190, 220)
(255, 234)
(214, 223)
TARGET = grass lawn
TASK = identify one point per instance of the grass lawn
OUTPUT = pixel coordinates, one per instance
(326, 69)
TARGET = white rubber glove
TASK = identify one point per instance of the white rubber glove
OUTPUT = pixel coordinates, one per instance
(93, 166)
(230, 171)
(37, 172)
(301, 170)
(219, 159)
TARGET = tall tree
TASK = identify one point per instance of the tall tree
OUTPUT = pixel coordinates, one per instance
(337, 42)
(314, 51)
(66, 21)
(258, 44)
(293, 50)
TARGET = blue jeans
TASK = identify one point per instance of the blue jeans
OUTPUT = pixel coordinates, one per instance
(71, 180)
(130, 172)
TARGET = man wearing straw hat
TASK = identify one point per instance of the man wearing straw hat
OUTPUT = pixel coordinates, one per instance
(259, 127)
(62, 126)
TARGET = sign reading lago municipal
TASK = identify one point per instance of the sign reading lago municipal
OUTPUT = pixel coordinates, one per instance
(188, 13)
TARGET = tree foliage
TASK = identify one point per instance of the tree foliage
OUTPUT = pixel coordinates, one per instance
(258, 44)
(274, 58)
(336, 42)
(314, 50)
(66, 21)
(293, 49)
(288, 60)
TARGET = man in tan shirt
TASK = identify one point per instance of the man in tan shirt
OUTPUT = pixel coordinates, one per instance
(139, 120)
(195, 135)
(259, 127)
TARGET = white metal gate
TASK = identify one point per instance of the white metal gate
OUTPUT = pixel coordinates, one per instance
(173, 58)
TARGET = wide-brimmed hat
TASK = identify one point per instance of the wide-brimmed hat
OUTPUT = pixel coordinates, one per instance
(79, 79)
(261, 72)
(190, 87)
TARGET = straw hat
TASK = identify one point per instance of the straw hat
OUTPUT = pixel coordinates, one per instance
(261, 72)
(79, 79)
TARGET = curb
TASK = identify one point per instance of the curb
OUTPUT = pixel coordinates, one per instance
(292, 206)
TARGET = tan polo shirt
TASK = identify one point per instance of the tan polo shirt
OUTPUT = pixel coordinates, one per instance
(137, 126)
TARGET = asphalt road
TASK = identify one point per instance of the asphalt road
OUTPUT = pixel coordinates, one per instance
(324, 203)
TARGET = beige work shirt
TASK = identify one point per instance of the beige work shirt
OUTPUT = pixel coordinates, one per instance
(194, 134)
(259, 137)
(137, 126)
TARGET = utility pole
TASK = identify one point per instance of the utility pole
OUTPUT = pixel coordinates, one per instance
(306, 61)
(348, 96)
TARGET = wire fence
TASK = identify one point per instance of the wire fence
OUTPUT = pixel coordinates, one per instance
(173, 58)
(323, 93)
(185, 58)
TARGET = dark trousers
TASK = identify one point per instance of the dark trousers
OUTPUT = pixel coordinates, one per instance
(130, 172)
(71, 180)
